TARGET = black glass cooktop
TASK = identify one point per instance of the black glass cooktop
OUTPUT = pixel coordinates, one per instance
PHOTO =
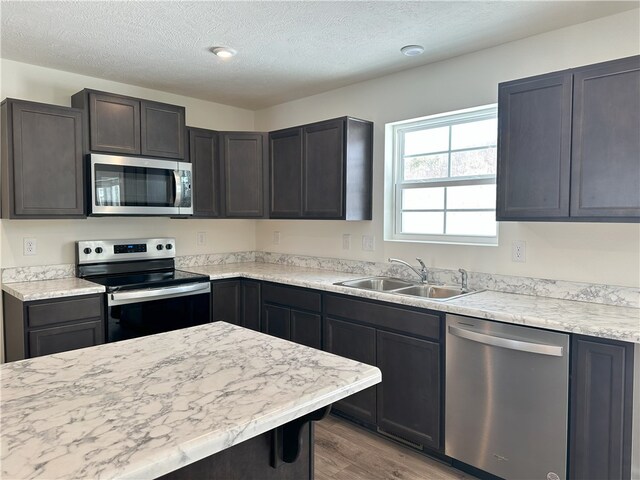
(138, 280)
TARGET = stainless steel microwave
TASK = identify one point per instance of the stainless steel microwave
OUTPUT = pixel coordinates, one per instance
(139, 186)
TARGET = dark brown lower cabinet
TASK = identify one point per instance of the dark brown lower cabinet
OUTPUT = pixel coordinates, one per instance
(292, 313)
(358, 343)
(251, 304)
(276, 321)
(409, 398)
(405, 344)
(601, 409)
(236, 301)
(66, 337)
(43, 327)
(226, 303)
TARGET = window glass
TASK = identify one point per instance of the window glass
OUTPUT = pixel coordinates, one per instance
(444, 170)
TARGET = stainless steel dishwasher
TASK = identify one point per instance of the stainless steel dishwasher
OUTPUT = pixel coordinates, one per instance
(506, 400)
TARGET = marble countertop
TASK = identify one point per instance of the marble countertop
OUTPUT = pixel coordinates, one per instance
(606, 321)
(141, 408)
(43, 289)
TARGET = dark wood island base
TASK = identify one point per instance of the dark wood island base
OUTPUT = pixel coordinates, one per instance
(285, 453)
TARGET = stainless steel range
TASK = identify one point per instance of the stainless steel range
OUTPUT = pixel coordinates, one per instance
(145, 294)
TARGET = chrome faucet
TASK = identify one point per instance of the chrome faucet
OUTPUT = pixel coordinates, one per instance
(422, 273)
(464, 280)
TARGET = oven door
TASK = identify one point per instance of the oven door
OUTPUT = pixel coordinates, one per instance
(136, 313)
(139, 186)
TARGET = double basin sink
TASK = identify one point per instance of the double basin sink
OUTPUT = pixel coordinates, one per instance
(404, 287)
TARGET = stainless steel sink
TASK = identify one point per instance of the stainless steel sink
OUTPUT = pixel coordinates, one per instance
(436, 292)
(380, 284)
(403, 287)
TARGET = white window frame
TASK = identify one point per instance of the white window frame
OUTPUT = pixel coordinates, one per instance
(394, 175)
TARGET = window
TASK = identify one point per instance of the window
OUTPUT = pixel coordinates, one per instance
(443, 186)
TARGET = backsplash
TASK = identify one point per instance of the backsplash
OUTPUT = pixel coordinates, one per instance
(584, 292)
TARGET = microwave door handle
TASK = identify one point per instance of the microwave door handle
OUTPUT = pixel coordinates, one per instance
(178, 188)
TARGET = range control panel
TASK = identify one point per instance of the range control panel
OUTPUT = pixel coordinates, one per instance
(101, 251)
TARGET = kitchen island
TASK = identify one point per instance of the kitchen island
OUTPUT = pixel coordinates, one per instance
(146, 407)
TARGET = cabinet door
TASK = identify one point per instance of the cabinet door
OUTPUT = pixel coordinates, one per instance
(601, 409)
(306, 328)
(605, 176)
(225, 302)
(409, 395)
(534, 148)
(46, 168)
(114, 124)
(358, 343)
(251, 305)
(323, 170)
(244, 174)
(205, 160)
(285, 149)
(162, 130)
(64, 338)
(276, 321)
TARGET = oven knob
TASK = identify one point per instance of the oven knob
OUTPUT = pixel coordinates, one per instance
(168, 246)
(98, 249)
(159, 247)
(87, 251)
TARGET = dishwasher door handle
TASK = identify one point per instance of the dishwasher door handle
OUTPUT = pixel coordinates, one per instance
(520, 345)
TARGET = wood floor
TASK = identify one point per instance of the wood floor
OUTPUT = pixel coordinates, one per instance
(346, 452)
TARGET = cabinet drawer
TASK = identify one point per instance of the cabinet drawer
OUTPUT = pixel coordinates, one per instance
(59, 311)
(384, 316)
(64, 338)
(292, 297)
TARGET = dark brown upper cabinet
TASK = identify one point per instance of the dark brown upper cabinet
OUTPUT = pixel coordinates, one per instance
(322, 170)
(205, 159)
(42, 161)
(244, 167)
(605, 165)
(124, 125)
(569, 145)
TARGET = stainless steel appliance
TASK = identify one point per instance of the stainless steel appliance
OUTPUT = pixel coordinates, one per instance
(145, 294)
(139, 186)
(506, 398)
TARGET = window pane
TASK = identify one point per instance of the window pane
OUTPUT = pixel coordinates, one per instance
(471, 223)
(423, 222)
(471, 196)
(426, 141)
(474, 134)
(423, 198)
(473, 162)
(428, 166)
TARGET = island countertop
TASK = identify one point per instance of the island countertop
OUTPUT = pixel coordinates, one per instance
(147, 406)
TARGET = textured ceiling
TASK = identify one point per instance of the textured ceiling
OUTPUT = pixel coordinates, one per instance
(287, 50)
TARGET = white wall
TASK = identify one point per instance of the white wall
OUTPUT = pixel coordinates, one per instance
(599, 253)
(55, 237)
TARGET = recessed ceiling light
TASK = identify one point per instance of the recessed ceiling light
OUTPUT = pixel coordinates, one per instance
(224, 52)
(412, 50)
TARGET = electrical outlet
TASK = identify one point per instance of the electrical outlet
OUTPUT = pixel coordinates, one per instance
(346, 241)
(276, 238)
(519, 251)
(29, 246)
(368, 243)
(201, 239)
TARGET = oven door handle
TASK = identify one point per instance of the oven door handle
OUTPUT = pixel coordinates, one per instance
(151, 294)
